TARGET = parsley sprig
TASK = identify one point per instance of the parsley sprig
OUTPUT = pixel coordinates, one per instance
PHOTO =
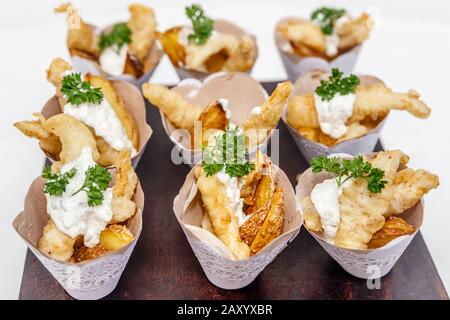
(345, 169)
(78, 91)
(119, 36)
(227, 152)
(96, 181)
(202, 25)
(56, 183)
(326, 17)
(337, 84)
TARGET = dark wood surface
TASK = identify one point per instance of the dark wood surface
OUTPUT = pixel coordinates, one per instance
(163, 265)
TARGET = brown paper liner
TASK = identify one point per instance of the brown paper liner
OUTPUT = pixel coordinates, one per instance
(222, 26)
(84, 65)
(240, 89)
(307, 83)
(135, 104)
(369, 263)
(296, 65)
(90, 279)
(216, 259)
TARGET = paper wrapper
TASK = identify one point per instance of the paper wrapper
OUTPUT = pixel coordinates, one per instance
(311, 149)
(240, 89)
(222, 26)
(215, 258)
(91, 279)
(296, 65)
(84, 65)
(134, 102)
(365, 264)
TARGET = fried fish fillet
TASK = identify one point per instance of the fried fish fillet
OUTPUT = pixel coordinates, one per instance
(56, 244)
(81, 38)
(393, 227)
(363, 213)
(310, 215)
(244, 58)
(224, 222)
(123, 207)
(307, 39)
(257, 126)
(143, 30)
(180, 112)
(55, 73)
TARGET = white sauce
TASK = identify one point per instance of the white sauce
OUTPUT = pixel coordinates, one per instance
(332, 41)
(112, 59)
(105, 122)
(234, 195)
(71, 213)
(334, 114)
(225, 105)
(256, 111)
(325, 197)
(183, 36)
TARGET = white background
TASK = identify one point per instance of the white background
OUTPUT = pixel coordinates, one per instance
(409, 49)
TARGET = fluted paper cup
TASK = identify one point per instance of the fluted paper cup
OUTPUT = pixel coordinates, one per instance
(222, 26)
(369, 263)
(84, 65)
(90, 279)
(215, 258)
(135, 104)
(311, 149)
(240, 89)
(296, 65)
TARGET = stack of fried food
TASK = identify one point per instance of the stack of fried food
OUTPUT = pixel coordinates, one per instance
(308, 40)
(372, 104)
(370, 220)
(263, 205)
(183, 114)
(83, 40)
(51, 143)
(75, 136)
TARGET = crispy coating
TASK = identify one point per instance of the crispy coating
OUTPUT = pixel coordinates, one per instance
(48, 141)
(118, 105)
(55, 244)
(143, 27)
(306, 33)
(393, 227)
(354, 32)
(363, 213)
(372, 104)
(123, 207)
(224, 222)
(83, 253)
(245, 57)
(81, 37)
(272, 225)
(55, 72)
(180, 112)
(310, 215)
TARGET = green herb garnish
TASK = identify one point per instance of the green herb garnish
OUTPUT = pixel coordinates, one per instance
(326, 17)
(56, 183)
(202, 25)
(78, 91)
(119, 36)
(344, 169)
(227, 152)
(337, 84)
(96, 181)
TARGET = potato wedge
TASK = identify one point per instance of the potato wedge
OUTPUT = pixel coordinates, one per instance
(83, 253)
(212, 118)
(393, 227)
(174, 50)
(115, 236)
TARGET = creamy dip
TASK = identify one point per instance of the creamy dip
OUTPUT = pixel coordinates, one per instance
(256, 110)
(333, 114)
(332, 41)
(325, 197)
(233, 192)
(112, 59)
(71, 213)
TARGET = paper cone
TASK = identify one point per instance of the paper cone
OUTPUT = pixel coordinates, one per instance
(296, 65)
(365, 264)
(91, 279)
(84, 65)
(311, 149)
(222, 26)
(240, 89)
(215, 258)
(134, 102)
